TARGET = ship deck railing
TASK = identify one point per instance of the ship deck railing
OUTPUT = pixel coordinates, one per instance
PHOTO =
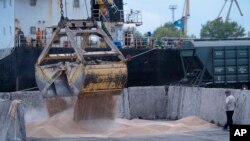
(136, 42)
(126, 16)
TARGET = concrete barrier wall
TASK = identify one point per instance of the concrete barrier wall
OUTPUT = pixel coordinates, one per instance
(207, 103)
(123, 105)
(31, 99)
(8, 125)
(144, 102)
(33, 103)
(135, 102)
(162, 103)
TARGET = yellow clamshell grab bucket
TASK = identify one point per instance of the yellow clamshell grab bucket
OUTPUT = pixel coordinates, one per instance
(60, 79)
(80, 76)
(105, 78)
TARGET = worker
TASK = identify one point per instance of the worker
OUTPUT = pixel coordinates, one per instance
(230, 105)
(20, 38)
(149, 40)
(39, 37)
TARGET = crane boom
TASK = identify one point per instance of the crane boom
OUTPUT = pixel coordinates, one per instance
(237, 4)
(230, 9)
(222, 9)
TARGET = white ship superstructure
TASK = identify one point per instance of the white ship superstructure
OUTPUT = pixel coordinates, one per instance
(29, 15)
(21, 19)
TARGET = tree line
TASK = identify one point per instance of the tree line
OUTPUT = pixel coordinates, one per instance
(216, 29)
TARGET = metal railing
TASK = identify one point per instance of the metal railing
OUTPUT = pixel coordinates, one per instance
(98, 15)
(128, 42)
(140, 42)
(174, 42)
(28, 41)
(133, 16)
(62, 42)
(129, 17)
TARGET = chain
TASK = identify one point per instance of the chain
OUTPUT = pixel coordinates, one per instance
(61, 6)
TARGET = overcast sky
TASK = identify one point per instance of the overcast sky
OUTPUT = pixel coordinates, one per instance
(156, 13)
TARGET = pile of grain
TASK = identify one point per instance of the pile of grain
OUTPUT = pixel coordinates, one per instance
(63, 125)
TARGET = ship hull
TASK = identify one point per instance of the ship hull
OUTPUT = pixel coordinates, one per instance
(158, 67)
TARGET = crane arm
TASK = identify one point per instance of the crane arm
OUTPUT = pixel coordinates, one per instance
(237, 4)
(222, 8)
(229, 11)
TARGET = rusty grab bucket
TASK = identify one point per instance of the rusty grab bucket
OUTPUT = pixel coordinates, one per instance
(104, 77)
(60, 80)
(101, 83)
(83, 73)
